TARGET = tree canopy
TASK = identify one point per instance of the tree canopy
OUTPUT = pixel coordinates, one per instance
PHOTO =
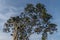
(34, 19)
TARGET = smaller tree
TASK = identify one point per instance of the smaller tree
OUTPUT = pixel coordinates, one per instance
(34, 19)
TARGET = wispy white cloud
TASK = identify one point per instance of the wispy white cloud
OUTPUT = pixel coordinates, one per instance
(6, 12)
(35, 36)
(5, 36)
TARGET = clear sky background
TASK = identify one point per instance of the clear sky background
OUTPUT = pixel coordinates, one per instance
(10, 8)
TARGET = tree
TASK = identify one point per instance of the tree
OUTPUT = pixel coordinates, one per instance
(34, 19)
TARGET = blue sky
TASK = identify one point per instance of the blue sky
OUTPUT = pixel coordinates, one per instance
(10, 8)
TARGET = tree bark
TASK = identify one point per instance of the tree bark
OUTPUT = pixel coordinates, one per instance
(15, 34)
(15, 37)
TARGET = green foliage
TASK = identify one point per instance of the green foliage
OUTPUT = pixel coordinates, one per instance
(33, 16)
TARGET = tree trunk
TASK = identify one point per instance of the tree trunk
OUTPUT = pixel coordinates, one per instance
(15, 37)
(15, 34)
